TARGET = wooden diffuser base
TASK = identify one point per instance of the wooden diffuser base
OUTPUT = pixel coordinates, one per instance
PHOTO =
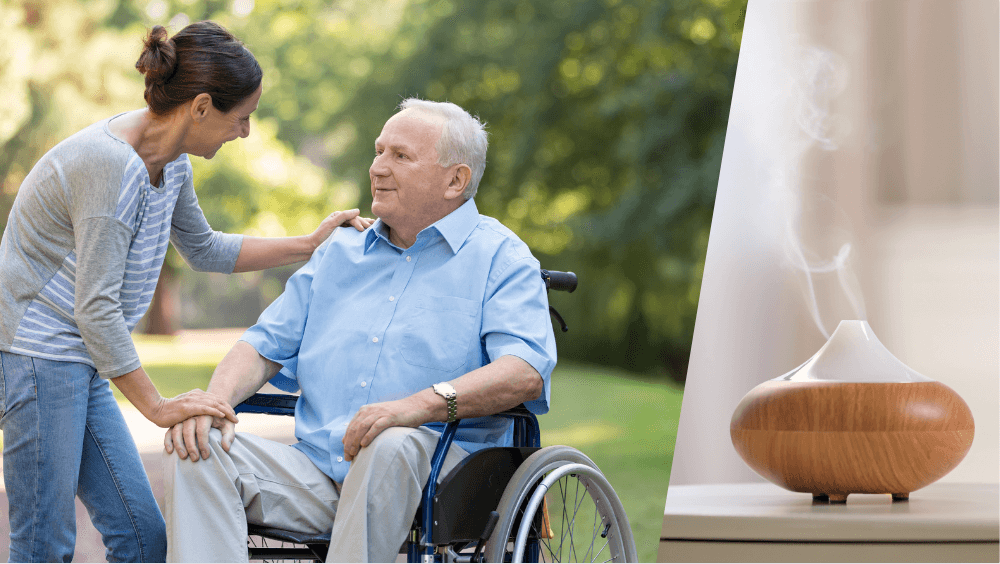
(832, 439)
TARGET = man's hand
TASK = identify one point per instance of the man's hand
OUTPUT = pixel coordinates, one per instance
(374, 418)
(347, 218)
(190, 437)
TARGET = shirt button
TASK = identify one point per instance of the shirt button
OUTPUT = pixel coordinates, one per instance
(340, 459)
(407, 259)
(374, 339)
(364, 384)
(392, 298)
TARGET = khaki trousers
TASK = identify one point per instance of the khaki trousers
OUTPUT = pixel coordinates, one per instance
(208, 503)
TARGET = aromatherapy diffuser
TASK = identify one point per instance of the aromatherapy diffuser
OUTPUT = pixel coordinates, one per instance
(852, 419)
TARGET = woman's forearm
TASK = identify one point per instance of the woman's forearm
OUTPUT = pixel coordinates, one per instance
(140, 391)
(260, 253)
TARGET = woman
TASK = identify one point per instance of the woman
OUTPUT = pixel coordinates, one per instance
(79, 261)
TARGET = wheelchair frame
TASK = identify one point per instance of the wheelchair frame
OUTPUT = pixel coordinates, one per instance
(435, 531)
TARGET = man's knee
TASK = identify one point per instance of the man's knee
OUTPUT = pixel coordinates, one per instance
(399, 444)
(173, 463)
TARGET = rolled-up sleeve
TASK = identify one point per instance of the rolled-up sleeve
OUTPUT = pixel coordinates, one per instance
(203, 249)
(516, 322)
(278, 332)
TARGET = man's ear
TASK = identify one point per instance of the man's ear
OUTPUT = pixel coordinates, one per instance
(460, 177)
(200, 106)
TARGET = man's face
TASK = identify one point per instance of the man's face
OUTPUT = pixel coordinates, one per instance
(408, 184)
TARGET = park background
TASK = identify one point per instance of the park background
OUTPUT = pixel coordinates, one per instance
(606, 118)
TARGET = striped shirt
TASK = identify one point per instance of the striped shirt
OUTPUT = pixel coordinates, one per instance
(83, 248)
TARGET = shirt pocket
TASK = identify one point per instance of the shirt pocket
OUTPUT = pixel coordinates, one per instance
(439, 331)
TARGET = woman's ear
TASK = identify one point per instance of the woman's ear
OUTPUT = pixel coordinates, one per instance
(200, 106)
(461, 174)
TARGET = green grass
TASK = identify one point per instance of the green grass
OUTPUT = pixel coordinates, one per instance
(627, 426)
(174, 379)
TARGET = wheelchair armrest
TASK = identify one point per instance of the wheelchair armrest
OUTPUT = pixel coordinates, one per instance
(271, 404)
(518, 412)
(525, 426)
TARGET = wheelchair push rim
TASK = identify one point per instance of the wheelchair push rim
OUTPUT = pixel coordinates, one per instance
(586, 521)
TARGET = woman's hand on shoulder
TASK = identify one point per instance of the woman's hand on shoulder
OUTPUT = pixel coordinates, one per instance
(346, 218)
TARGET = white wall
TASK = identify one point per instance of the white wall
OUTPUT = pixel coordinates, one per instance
(908, 155)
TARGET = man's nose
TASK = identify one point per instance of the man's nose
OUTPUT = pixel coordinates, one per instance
(245, 129)
(378, 167)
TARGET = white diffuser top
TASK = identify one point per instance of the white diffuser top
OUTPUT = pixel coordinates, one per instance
(854, 354)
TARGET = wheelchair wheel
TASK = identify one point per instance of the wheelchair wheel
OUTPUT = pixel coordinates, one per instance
(558, 507)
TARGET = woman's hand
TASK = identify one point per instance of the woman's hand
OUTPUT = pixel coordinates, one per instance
(168, 412)
(139, 390)
(346, 218)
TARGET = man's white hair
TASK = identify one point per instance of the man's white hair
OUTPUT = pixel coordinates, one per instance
(463, 138)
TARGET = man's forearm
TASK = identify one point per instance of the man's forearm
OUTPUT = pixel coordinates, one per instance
(241, 373)
(500, 385)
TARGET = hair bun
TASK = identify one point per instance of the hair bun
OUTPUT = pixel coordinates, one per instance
(158, 60)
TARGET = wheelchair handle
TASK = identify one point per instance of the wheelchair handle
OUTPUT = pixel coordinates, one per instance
(559, 281)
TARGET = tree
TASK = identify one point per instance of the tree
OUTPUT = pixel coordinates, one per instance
(607, 120)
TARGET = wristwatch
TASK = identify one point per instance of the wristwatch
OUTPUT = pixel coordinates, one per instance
(447, 391)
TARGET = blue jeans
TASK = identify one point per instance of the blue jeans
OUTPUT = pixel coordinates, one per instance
(64, 436)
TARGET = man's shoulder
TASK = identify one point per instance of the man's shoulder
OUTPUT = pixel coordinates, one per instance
(499, 236)
(504, 246)
(345, 237)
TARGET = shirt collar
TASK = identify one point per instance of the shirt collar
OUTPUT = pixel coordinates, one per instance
(454, 228)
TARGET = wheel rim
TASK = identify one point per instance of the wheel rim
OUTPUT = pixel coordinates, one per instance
(580, 525)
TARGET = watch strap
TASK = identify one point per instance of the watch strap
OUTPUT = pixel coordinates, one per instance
(447, 391)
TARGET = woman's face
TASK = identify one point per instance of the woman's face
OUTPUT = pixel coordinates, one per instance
(218, 128)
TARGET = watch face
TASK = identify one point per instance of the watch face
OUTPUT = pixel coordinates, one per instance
(444, 389)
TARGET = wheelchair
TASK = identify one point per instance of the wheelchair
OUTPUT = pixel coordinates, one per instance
(521, 503)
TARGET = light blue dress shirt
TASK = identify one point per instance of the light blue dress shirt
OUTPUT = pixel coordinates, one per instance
(365, 321)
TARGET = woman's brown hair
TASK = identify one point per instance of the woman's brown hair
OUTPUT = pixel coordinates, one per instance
(202, 57)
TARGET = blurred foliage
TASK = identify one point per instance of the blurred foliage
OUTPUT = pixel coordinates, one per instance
(607, 120)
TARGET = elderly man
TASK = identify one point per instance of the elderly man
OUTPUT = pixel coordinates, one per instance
(434, 312)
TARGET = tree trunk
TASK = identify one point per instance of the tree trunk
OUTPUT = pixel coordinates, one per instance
(164, 312)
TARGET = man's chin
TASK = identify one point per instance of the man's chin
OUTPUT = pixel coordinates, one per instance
(380, 209)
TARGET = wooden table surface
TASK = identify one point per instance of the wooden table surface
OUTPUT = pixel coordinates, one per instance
(763, 522)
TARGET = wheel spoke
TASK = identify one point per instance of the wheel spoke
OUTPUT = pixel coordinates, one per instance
(562, 533)
(591, 502)
(593, 538)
